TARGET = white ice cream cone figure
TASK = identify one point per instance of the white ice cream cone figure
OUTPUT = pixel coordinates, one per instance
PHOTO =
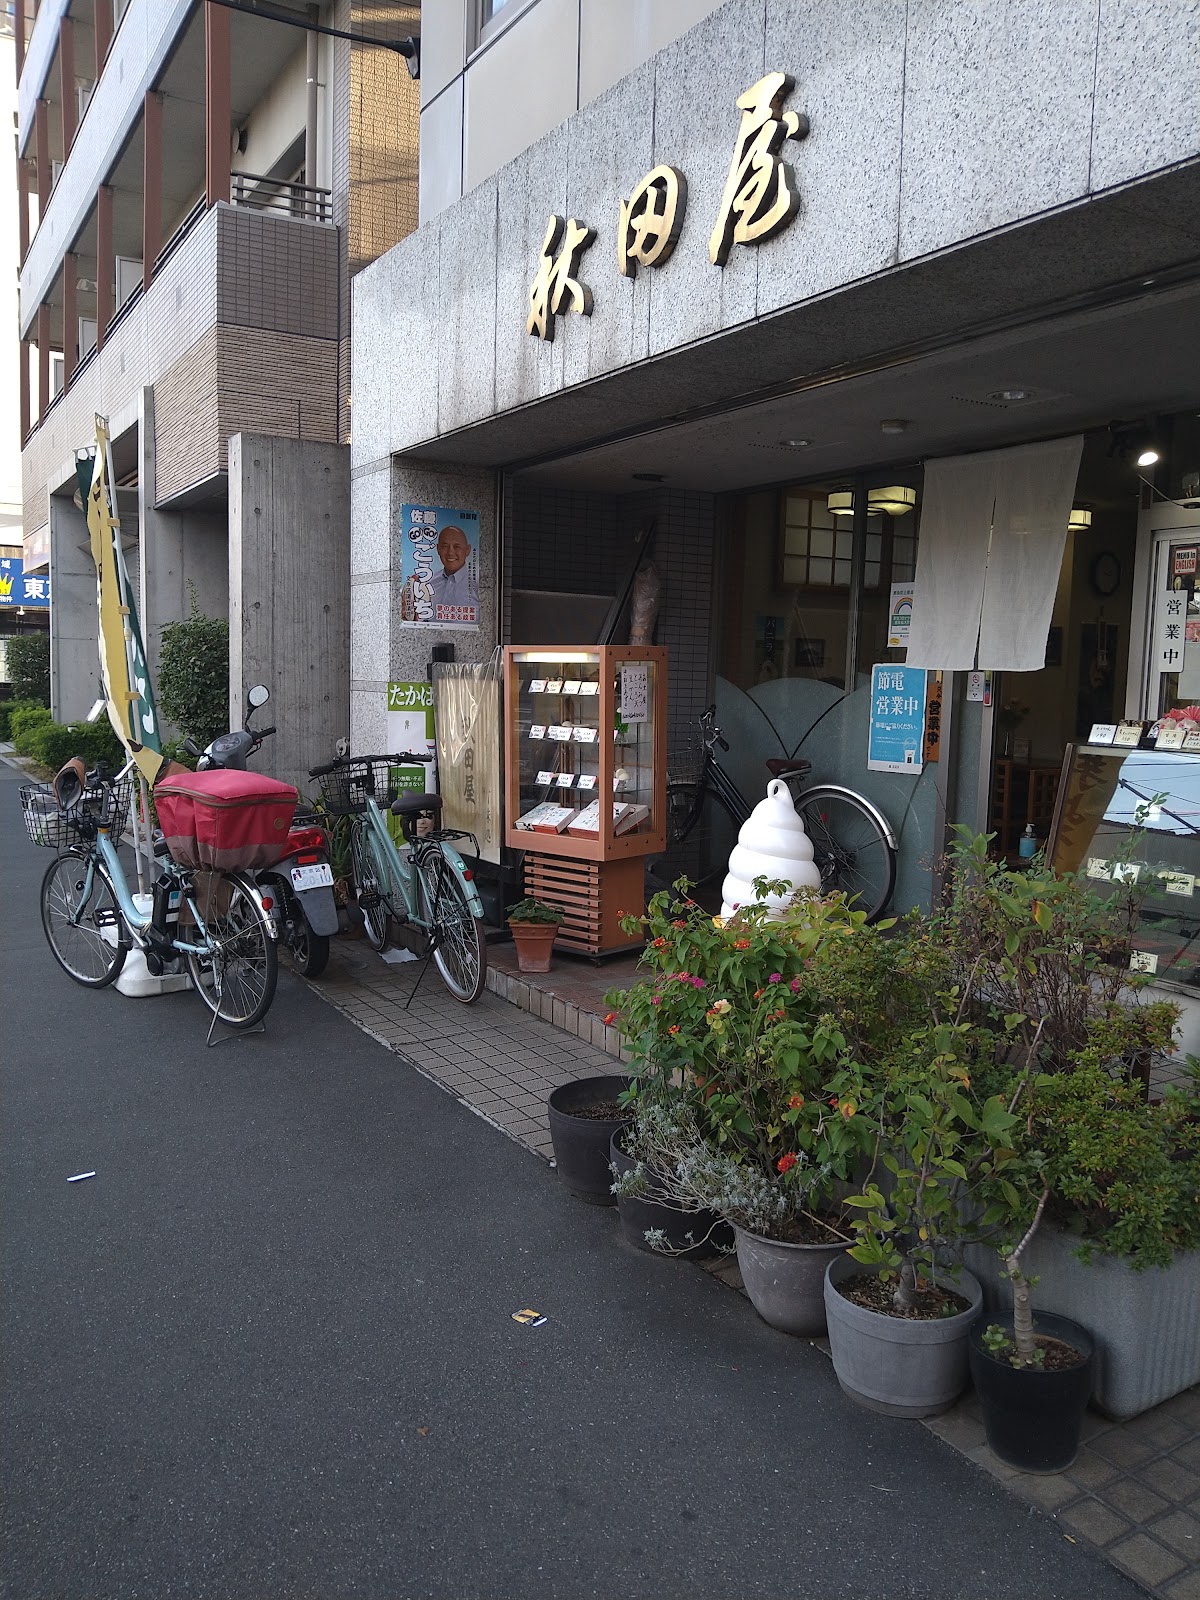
(772, 844)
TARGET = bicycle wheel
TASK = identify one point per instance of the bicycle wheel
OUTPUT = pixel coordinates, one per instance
(237, 977)
(76, 917)
(373, 883)
(851, 850)
(699, 838)
(460, 951)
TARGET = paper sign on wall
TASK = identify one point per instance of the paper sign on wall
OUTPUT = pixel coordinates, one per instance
(900, 616)
(897, 733)
(410, 728)
(635, 691)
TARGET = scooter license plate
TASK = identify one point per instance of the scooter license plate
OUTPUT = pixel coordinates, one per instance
(320, 877)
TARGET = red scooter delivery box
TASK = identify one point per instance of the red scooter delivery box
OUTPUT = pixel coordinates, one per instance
(223, 820)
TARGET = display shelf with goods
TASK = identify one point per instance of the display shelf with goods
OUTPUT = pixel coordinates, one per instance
(1130, 818)
(582, 727)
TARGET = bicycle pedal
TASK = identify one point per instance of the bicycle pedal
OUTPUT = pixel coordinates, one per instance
(368, 900)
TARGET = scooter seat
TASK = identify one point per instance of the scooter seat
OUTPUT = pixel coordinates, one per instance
(411, 805)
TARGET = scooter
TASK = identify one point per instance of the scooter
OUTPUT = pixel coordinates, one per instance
(297, 891)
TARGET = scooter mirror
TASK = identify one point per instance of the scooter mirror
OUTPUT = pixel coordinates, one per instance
(259, 695)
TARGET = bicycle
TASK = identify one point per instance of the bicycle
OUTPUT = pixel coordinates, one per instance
(91, 920)
(428, 888)
(853, 844)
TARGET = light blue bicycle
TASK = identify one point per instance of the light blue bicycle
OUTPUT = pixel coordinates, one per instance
(215, 921)
(426, 888)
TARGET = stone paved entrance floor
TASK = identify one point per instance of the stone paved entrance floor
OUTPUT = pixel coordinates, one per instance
(1134, 1490)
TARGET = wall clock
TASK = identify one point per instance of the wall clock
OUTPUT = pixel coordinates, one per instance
(1105, 574)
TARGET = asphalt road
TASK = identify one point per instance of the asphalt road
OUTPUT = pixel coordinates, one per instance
(268, 1351)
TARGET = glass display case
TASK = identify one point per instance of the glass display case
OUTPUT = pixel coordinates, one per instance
(1134, 815)
(586, 781)
(585, 768)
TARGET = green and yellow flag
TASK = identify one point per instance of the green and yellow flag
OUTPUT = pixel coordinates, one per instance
(123, 666)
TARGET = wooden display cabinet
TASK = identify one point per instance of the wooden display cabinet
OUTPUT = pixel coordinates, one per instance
(583, 725)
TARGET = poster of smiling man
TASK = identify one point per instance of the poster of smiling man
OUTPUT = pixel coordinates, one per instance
(439, 568)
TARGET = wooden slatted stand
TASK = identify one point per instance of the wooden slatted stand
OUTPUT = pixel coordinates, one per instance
(594, 894)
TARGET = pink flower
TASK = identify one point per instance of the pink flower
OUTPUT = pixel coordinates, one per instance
(776, 977)
(795, 985)
(656, 999)
(697, 983)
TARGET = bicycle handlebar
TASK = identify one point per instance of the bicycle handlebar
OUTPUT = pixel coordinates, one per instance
(401, 758)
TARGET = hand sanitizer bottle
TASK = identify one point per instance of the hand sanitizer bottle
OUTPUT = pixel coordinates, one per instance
(1027, 845)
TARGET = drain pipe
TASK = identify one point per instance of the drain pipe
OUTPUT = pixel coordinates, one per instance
(310, 116)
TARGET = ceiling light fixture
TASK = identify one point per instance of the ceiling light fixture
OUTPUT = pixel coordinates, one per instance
(1009, 396)
(648, 477)
(795, 444)
(841, 503)
(895, 501)
(1148, 456)
(894, 425)
(1080, 519)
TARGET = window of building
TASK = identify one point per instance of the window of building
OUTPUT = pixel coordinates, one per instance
(493, 15)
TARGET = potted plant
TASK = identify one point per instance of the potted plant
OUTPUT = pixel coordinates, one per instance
(898, 1331)
(1118, 1249)
(737, 1059)
(1033, 1380)
(584, 1115)
(534, 927)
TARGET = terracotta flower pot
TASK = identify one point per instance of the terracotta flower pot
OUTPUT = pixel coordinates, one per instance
(534, 942)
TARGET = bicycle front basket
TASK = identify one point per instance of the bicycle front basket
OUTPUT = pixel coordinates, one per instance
(344, 791)
(55, 829)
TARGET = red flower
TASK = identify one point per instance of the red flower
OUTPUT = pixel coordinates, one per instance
(795, 1102)
(610, 1019)
(786, 1163)
(674, 1028)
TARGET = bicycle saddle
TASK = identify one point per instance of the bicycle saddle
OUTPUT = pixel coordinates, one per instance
(408, 805)
(69, 784)
(791, 766)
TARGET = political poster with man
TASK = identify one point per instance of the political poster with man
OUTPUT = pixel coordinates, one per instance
(439, 568)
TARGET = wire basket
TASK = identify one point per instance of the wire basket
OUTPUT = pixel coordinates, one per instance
(54, 829)
(344, 791)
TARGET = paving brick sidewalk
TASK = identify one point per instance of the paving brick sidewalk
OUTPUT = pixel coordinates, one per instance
(1134, 1491)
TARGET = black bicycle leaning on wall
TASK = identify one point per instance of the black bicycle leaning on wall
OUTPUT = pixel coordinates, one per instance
(854, 846)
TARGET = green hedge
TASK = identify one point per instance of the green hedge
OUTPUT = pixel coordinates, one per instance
(52, 744)
(7, 709)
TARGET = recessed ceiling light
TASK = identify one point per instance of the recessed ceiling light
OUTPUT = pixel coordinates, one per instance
(1148, 457)
(795, 444)
(648, 477)
(1009, 394)
(894, 424)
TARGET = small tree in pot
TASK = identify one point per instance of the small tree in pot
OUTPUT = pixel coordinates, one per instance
(534, 927)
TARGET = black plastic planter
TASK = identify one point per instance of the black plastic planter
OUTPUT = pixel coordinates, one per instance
(1033, 1418)
(581, 1143)
(690, 1235)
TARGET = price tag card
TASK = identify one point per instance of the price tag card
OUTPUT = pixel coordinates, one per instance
(537, 731)
(544, 778)
(562, 732)
(1129, 735)
(1170, 737)
(1180, 883)
(587, 780)
(565, 780)
(1099, 868)
(1143, 961)
(586, 735)
(1191, 739)
(1102, 733)
(553, 685)
(537, 685)
(589, 688)
(571, 686)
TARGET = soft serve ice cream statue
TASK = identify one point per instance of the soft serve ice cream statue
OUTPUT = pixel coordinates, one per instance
(772, 844)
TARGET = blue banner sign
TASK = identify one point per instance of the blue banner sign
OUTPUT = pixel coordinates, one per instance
(19, 588)
(897, 719)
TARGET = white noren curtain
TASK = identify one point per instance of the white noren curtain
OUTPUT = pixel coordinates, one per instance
(993, 528)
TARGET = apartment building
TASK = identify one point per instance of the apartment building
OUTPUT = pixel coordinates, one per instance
(198, 183)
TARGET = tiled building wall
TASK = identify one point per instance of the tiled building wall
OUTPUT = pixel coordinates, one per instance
(581, 542)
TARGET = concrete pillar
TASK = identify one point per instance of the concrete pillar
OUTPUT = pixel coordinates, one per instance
(74, 621)
(217, 112)
(289, 595)
(176, 551)
(382, 649)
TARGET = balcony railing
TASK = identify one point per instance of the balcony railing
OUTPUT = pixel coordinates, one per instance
(273, 194)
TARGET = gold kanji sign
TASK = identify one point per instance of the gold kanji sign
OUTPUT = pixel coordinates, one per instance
(651, 220)
(555, 286)
(760, 193)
